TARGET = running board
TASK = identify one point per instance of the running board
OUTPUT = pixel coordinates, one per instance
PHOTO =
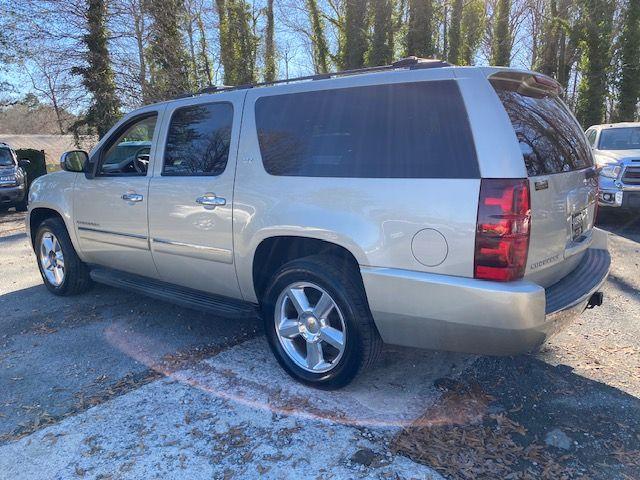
(186, 297)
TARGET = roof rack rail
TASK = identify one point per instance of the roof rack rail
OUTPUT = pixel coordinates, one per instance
(411, 63)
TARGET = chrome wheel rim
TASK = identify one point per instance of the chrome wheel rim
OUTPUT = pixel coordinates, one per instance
(310, 327)
(51, 259)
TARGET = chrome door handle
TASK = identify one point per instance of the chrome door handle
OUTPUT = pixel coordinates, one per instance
(210, 200)
(132, 197)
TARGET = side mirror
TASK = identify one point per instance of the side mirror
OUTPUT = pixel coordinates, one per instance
(74, 160)
(24, 163)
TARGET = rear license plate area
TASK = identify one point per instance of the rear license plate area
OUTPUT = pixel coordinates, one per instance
(578, 224)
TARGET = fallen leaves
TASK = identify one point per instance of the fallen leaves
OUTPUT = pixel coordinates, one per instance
(462, 440)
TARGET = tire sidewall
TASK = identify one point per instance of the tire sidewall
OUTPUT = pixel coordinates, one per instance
(350, 361)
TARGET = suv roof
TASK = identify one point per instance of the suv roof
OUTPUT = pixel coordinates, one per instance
(410, 63)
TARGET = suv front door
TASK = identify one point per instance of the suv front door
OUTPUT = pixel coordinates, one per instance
(110, 202)
(191, 195)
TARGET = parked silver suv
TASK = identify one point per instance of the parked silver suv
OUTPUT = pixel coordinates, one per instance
(416, 204)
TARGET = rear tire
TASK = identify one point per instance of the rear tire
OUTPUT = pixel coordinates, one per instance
(297, 334)
(53, 249)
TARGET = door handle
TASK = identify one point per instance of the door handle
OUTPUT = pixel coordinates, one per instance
(132, 197)
(210, 200)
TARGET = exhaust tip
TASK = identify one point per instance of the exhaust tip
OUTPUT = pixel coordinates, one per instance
(595, 300)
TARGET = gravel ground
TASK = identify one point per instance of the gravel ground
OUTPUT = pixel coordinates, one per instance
(570, 411)
(111, 385)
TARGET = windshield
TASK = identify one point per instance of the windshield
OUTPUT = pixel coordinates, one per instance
(627, 138)
(6, 159)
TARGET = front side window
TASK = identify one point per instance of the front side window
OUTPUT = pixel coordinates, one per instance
(405, 130)
(591, 137)
(623, 138)
(198, 140)
(6, 158)
(129, 153)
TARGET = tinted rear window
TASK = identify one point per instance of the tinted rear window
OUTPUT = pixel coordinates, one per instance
(408, 130)
(550, 139)
(198, 140)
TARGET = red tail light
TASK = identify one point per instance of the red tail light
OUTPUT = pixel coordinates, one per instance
(502, 231)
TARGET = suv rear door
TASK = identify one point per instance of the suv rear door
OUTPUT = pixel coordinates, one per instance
(191, 194)
(559, 164)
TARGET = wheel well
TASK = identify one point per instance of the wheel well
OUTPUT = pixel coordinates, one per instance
(39, 215)
(274, 252)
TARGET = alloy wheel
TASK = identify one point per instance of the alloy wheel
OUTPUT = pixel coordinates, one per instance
(52, 259)
(310, 327)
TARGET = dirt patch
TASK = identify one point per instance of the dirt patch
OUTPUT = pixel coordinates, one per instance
(12, 223)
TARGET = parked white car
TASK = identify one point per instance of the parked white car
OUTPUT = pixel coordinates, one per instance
(416, 204)
(616, 148)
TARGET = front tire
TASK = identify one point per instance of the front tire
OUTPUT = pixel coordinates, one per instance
(318, 323)
(61, 269)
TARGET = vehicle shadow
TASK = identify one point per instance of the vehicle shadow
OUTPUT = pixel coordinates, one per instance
(62, 355)
(12, 237)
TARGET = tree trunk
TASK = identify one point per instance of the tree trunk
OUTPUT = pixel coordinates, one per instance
(501, 45)
(455, 35)
(355, 38)
(419, 40)
(320, 48)
(270, 47)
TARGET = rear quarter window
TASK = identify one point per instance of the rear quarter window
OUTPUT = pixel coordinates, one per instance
(550, 139)
(407, 130)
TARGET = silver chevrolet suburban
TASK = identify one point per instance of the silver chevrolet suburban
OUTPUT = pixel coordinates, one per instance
(415, 204)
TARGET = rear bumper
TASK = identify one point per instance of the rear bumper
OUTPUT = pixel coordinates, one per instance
(462, 314)
(11, 195)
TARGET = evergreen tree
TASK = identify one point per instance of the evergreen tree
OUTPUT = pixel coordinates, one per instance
(455, 33)
(320, 48)
(355, 34)
(419, 39)
(270, 46)
(97, 76)
(630, 69)
(473, 25)
(501, 41)
(597, 18)
(168, 58)
(382, 42)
